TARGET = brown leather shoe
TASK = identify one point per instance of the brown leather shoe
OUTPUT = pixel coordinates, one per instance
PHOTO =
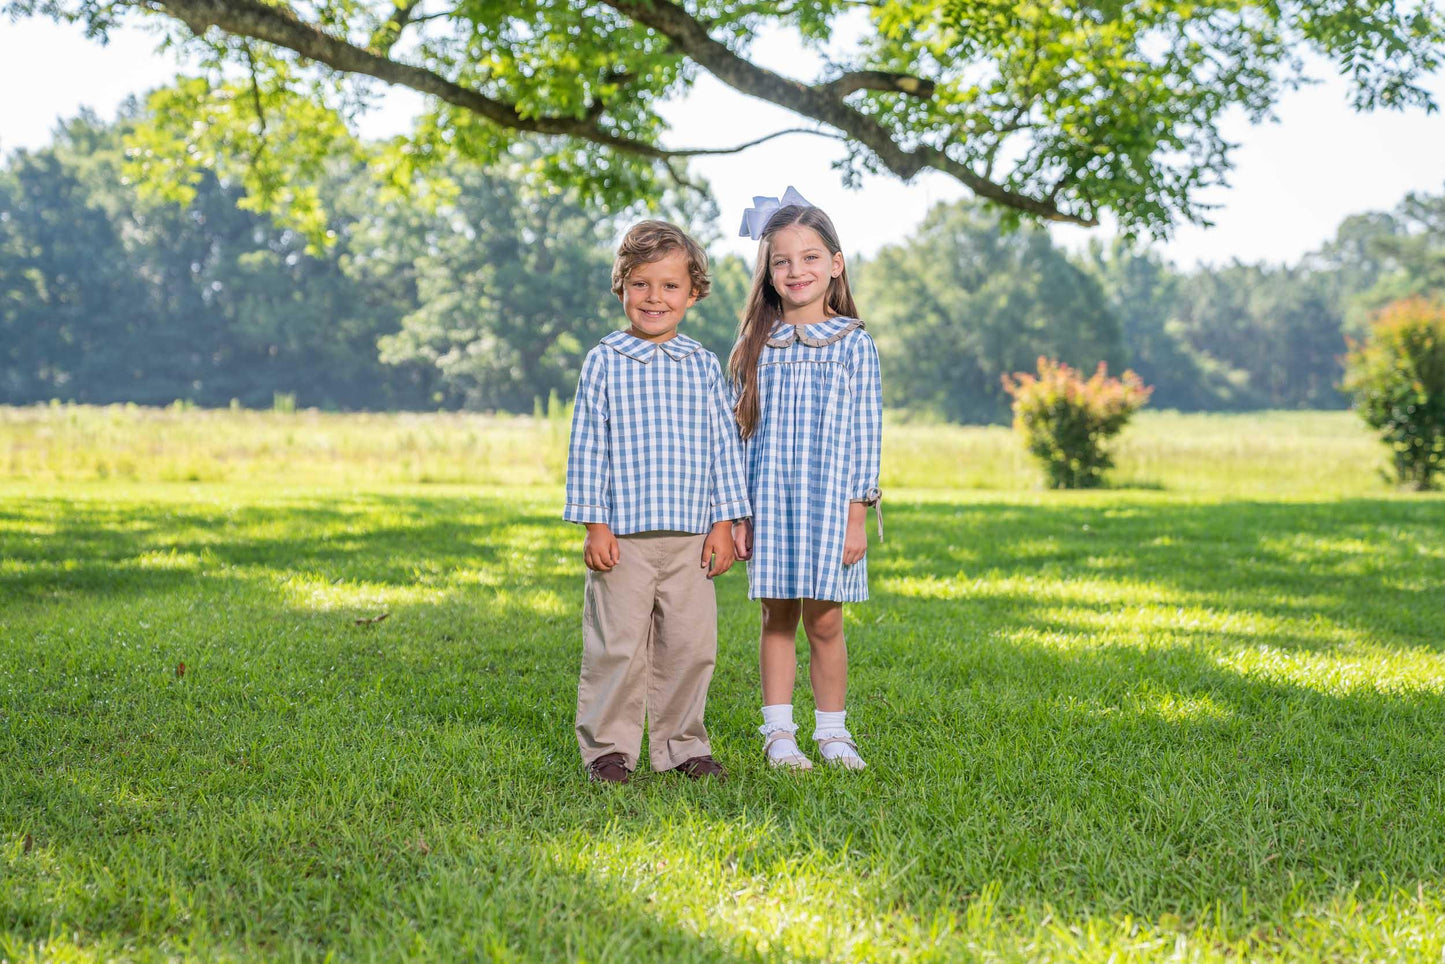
(608, 768)
(701, 766)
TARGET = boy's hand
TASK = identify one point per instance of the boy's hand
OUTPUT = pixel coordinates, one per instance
(599, 549)
(855, 539)
(743, 539)
(717, 549)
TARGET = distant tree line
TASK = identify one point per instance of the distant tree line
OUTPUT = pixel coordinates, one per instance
(962, 303)
(488, 298)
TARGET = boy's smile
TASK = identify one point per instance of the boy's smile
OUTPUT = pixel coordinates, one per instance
(656, 295)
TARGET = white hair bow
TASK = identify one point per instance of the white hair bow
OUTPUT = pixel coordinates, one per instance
(755, 218)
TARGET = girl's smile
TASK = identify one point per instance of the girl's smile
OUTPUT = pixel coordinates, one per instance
(801, 270)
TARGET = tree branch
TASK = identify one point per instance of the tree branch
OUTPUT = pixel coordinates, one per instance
(824, 103)
(884, 80)
(281, 26)
(389, 33)
(680, 178)
(706, 151)
(256, 92)
(691, 37)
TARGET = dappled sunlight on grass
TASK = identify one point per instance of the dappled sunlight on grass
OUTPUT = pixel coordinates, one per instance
(717, 879)
(319, 594)
(710, 878)
(1124, 725)
(1378, 669)
(1180, 709)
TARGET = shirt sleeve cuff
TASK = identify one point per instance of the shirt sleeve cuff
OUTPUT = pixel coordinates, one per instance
(871, 497)
(727, 511)
(585, 514)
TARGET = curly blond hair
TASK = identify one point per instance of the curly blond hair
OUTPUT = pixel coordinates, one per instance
(649, 241)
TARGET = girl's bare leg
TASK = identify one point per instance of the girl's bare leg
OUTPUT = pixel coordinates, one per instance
(828, 653)
(777, 652)
(778, 656)
(828, 667)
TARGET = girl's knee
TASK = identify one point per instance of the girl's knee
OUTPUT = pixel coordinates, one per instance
(821, 610)
(781, 614)
(823, 622)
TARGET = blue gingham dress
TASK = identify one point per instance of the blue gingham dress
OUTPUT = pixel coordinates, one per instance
(816, 449)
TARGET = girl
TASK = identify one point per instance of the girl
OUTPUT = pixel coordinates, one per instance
(809, 406)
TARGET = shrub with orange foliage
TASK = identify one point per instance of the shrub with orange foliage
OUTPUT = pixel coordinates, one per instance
(1397, 376)
(1065, 419)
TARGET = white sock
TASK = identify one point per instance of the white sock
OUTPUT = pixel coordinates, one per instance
(779, 716)
(827, 725)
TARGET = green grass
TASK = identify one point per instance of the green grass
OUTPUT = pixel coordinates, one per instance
(1191, 719)
(1276, 454)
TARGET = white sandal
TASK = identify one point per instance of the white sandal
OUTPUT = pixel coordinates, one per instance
(788, 761)
(844, 761)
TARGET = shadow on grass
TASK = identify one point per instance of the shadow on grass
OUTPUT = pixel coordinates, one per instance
(57, 547)
(1020, 730)
(1375, 567)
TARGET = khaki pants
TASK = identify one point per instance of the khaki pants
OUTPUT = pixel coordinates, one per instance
(649, 642)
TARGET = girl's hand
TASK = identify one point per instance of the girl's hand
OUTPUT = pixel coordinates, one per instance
(855, 539)
(743, 539)
(599, 549)
(717, 550)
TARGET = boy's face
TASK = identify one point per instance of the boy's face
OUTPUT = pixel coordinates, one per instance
(656, 295)
(800, 266)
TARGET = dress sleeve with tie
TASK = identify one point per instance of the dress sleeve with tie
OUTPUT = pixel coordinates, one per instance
(865, 443)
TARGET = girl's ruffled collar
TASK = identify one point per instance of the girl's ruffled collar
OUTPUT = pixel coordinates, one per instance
(815, 335)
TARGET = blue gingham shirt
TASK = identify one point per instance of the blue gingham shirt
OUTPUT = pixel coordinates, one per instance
(654, 446)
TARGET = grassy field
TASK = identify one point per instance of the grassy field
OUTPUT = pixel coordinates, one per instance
(1279, 454)
(1198, 716)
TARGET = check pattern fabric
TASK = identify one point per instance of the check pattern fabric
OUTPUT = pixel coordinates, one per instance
(654, 446)
(817, 447)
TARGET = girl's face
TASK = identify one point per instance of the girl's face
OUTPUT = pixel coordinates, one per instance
(801, 268)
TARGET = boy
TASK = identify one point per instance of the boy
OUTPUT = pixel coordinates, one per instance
(655, 473)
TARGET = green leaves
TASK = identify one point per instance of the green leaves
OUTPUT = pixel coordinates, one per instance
(1062, 112)
(1398, 379)
(272, 134)
(1066, 419)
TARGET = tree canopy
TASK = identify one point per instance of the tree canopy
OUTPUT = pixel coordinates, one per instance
(1056, 111)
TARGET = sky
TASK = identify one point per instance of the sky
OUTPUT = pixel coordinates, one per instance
(1293, 182)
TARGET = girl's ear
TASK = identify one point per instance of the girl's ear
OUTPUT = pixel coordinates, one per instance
(837, 264)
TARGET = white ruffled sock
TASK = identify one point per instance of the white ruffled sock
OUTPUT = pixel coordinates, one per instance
(828, 725)
(779, 716)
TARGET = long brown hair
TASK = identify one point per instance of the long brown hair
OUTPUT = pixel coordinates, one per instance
(765, 307)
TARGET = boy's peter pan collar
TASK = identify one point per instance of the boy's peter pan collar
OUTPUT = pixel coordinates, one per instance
(816, 335)
(677, 347)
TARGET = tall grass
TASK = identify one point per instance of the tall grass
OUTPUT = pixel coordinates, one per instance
(129, 443)
(1295, 454)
